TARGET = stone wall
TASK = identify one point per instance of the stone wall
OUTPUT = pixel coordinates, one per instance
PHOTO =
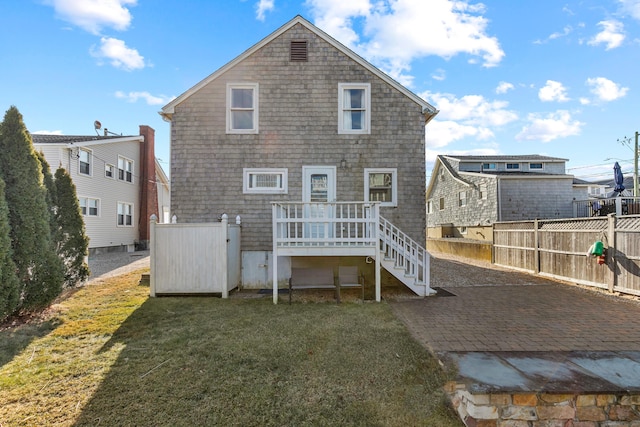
(544, 409)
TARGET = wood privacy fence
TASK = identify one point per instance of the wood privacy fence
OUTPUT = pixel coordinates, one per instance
(558, 249)
(195, 258)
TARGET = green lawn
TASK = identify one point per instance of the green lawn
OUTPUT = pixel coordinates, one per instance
(110, 356)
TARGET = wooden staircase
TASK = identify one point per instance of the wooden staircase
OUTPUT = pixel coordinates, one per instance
(404, 258)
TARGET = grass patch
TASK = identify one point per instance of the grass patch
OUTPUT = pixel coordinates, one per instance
(111, 356)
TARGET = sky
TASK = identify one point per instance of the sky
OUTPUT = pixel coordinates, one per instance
(550, 77)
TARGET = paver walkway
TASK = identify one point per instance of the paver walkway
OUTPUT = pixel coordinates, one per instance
(507, 330)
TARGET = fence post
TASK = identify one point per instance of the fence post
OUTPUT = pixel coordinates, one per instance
(225, 256)
(152, 254)
(611, 253)
(536, 247)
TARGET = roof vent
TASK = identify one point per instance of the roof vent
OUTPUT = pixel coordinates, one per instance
(298, 51)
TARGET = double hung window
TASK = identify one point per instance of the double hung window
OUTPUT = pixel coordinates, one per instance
(125, 169)
(125, 214)
(381, 186)
(88, 206)
(84, 159)
(242, 108)
(354, 115)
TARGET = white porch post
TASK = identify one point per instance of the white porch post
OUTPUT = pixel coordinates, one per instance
(225, 271)
(376, 235)
(274, 260)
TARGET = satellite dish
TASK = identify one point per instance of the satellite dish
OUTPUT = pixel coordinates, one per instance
(97, 125)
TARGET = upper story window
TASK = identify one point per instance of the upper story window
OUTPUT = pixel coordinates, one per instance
(430, 206)
(462, 198)
(535, 166)
(242, 108)
(380, 185)
(488, 166)
(354, 101)
(109, 171)
(84, 159)
(125, 169)
(513, 166)
(483, 191)
(264, 181)
(88, 206)
(125, 214)
(441, 203)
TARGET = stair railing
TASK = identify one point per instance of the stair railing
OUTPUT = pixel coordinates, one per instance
(404, 251)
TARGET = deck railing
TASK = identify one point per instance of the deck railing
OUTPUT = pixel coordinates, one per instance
(337, 224)
(604, 207)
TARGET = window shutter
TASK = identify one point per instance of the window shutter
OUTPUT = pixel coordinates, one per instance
(298, 51)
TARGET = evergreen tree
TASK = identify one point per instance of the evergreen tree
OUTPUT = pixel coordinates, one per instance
(38, 267)
(9, 285)
(72, 242)
(50, 195)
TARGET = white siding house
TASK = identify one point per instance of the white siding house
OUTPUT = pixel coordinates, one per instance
(109, 173)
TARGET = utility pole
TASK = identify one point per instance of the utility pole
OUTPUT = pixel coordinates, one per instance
(635, 168)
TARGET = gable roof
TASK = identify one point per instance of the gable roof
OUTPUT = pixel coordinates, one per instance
(506, 158)
(428, 110)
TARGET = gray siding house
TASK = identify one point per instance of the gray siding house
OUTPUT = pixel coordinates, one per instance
(300, 129)
(118, 181)
(476, 191)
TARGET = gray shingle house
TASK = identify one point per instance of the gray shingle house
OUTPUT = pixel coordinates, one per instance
(472, 191)
(318, 151)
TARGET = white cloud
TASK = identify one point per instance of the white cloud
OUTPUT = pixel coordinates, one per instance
(47, 132)
(93, 15)
(504, 87)
(549, 127)
(119, 55)
(402, 30)
(262, 7)
(612, 34)
(439, 74)
(468, 116)
(553, 91)
(632, 7)
(150, 99)
(471, 109)
(606, 90)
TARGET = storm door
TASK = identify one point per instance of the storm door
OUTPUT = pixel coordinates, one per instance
(318, 189)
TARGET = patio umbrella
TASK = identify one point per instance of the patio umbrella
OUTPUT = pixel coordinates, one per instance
(619, 179)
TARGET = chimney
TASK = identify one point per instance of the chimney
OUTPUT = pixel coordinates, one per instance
(148, 187)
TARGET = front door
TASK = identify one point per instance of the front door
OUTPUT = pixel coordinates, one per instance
(319, 187)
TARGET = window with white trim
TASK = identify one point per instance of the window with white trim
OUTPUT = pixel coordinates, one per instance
(488, 166)
(354, 108)
(483, 191)
(125, 169)
(109, 171)
(430, 206)
(89, 206)
(84, 161)
(125, 214)
(242, 108)
(536, 166)
(380, 185)
(441, 203)
(264, 181)
(462, 198)
(513, 166)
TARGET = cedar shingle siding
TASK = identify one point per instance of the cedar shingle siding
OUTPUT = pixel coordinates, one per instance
(298, 125)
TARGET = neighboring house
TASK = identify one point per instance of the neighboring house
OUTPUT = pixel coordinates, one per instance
(465, 192)
(118, 181)
(607, 185)
(300, 126)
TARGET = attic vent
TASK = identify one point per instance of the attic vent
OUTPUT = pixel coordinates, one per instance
(298, 50)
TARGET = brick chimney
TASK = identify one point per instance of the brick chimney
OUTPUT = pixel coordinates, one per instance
(148, 187)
